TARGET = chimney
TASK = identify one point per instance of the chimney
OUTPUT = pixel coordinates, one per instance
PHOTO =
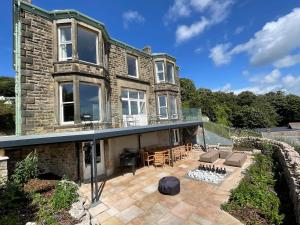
(147, 49)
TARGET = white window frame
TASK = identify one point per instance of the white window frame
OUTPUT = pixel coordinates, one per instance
(176, 135)
(163, 71)
(159, 106)
(99, 96)
(97, 44)
(175, 115)
(136, 65)
(173, 73)
(138, 100)
(61, 111)
(60, 43)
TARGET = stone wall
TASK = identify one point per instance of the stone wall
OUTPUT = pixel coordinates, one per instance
(3, 169)
(289, 160)
(59, 159)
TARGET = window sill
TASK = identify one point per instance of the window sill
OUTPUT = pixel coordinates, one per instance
(78, 61)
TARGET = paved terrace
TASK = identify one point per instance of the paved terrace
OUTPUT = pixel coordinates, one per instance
(134, 200)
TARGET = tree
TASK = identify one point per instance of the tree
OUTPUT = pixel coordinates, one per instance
(222, 113)
(7, 86)
(188, 91)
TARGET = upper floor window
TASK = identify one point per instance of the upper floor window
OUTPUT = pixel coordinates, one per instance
(162, 107)
(173, 107)
(89, 102)
(132, 65)
(160, 71)
(87, 45)
(170, 73)
(133, 102)
(66, 103)
(64, 43)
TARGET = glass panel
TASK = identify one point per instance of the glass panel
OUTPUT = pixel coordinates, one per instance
(89, 102)
(125, 108)
(65, 34)
(68, 51)
(124, 94)
(160, 76)
(133, 94)
(142, 108)
(68, 109)
(159, 66)
(87, 45)
(141, 95)
(173, 105)
(170, 71)
(131, 65)
(163, 112)
(162, 101)
(67, 92)
(98, 153)
(134, 108)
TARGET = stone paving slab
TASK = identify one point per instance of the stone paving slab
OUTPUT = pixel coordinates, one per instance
(134, 200)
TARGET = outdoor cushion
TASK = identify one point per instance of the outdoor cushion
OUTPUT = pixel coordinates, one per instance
(236, 159)
(210, 156)
(169, 185)
(224, 154)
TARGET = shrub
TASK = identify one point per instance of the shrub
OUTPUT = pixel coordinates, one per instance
(65, 194)
(25, 169)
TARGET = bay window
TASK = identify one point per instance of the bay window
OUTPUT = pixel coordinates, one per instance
(87, 45)
(160, 73)
(64, 43)
(66, 103)
(132, 65)
(162, 107)
(173, 107)
(133, 102)
(89, 102)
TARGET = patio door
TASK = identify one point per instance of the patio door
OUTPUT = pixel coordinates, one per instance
(88, 159)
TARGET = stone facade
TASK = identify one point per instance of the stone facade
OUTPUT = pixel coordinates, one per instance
(42, 73)
(3, 169)
(289, 160)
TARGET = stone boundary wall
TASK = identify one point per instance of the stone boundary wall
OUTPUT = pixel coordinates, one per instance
(3, 169)
(289, 160)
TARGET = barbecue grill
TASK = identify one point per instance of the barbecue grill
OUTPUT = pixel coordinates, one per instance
(129, 159)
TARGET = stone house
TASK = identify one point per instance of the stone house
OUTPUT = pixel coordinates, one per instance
(71, 75)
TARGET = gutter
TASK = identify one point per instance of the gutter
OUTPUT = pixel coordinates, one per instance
(17, 63)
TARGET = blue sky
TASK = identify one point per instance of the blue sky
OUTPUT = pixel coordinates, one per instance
(227, 45)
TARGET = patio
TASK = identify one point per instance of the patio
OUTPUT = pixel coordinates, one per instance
(133, 200)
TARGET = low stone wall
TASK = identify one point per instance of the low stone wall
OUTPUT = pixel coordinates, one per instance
(288, 158)
(3, 169)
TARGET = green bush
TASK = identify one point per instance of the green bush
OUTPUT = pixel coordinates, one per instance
(65, 194)
(25, 169)
(256, 190)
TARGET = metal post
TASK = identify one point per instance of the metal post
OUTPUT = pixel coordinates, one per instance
(78, 162)
(204, 142)
(171, 145)
(94, 165)
(92, 171)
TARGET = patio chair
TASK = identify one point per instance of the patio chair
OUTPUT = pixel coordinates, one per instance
(188, 148)
(176, 154)
(167, 156)
(183, 152)
(159, 159)
(147, 158)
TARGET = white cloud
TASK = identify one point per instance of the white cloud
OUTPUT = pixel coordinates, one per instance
(132, 17)
(226, 88)
(211, 12)
(198, 50)
(239, 30)
(273, 81)
(273, 42)
(185, 32)
(287, 61)
(218, 54)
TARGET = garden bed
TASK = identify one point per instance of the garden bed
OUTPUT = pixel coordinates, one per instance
(260, 198)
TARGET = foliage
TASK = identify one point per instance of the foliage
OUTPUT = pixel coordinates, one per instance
(7, 118)
(7, 86)
(256, 191)
(65, 194)
(25, 169)
(245, 110)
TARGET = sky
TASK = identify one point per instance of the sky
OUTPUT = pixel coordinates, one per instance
(227, 45)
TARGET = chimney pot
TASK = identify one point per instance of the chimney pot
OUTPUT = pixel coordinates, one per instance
(147, 49)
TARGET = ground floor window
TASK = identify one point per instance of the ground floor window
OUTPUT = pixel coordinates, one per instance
(173, 107)
(133, 102)
(67, 103)
(89, 102)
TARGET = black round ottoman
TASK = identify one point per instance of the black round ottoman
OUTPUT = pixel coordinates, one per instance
(169, 185)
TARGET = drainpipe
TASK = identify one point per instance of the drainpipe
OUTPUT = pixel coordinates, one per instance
(17, 64)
